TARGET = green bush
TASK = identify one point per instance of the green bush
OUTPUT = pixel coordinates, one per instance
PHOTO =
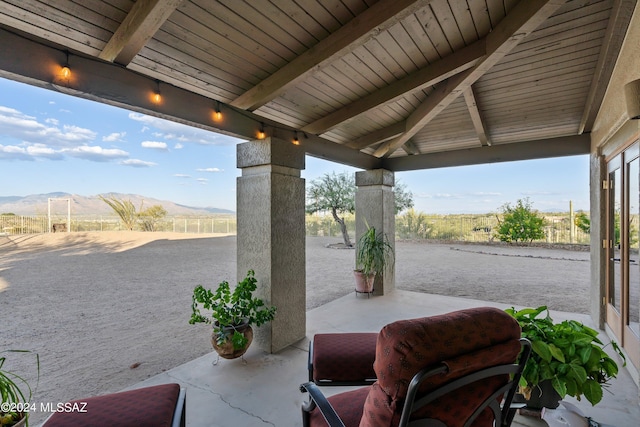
(520, 223)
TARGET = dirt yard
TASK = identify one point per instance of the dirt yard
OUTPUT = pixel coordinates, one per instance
(107, 310)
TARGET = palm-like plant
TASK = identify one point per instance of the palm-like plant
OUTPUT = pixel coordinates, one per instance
(15, 392)
(374, 252)
(124, 209)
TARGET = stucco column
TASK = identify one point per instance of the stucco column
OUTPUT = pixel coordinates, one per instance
(271, 235)
(375, 204)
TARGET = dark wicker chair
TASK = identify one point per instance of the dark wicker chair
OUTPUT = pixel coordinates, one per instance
(456, 369)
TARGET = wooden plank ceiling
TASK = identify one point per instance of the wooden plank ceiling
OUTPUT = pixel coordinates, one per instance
(401, 84)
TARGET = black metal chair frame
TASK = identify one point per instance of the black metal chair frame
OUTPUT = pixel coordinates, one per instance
(503, 412)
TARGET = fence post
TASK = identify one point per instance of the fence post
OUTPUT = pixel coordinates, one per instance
(572, 225)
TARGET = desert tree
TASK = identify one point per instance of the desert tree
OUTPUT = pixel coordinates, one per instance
(402, 197)
(334, 193)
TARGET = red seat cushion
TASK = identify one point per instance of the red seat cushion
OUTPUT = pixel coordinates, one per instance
(144, 407)
(348, 406)
(344, 356)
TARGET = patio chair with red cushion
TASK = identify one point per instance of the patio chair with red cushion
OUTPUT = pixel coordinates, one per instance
(455, 369)
(155, 406)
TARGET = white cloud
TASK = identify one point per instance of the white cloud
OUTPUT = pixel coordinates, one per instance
(52, 121)
(13, 152)
(169, 130)
(137, 163)
(202, 180)
(114, 137)
(181, 175)
(212, 170)
(155, 145)
(19, 126)
(39, 150)
(486, 194)
(178, 146)
(96, 153)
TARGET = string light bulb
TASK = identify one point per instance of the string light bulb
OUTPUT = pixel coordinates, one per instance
(65, 72)
(261, 134)
(217, 115)
(157, 98)
(296, 141)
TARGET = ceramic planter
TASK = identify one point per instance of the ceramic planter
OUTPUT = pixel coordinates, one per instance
(364, 282)
(226, 350)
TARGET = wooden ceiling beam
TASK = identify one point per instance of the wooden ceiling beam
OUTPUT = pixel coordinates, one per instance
(527, 150)
(476, 118)
(525, 17)
(410, 148)
(141, 23)
(379, 17)
(430, 75)
(377, 137)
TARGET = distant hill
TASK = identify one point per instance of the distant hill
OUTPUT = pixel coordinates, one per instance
(36, 204)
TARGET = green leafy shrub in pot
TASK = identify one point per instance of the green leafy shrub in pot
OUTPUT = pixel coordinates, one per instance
(569, 354)
(229, 310)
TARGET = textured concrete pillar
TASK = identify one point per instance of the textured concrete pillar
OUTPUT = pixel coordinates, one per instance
(271, 235)
(375, 205)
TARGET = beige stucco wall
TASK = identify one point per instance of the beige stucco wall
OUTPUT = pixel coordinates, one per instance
(613, 115)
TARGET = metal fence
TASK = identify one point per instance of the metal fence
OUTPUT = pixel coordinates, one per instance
(17, 224)
(560, 227)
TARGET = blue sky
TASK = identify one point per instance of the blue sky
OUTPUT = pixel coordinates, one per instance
(52, 142)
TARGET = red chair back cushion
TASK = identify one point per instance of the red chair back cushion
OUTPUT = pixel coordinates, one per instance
(466, 340)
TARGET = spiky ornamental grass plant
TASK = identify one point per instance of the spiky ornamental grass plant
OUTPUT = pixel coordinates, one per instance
(374, 252)
(15, 392)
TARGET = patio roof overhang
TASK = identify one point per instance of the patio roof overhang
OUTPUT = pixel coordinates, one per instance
(394, 84)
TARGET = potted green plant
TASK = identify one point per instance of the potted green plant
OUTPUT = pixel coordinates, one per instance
(373, 254)
(567, 359)
(232, 314)
(16, 394)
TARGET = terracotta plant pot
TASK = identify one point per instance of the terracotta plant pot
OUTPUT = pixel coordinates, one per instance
(364, 282)
(226, 350)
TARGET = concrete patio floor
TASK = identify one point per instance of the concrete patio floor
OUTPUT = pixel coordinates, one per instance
(264, 391)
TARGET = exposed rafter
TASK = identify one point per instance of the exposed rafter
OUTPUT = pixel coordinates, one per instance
(356, 32)
(522, 20)
(410, 148)
(377, 137)
(141, 23)
(476, 118)
(427, 76)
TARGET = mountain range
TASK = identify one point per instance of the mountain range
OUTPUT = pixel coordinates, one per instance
(37, 204)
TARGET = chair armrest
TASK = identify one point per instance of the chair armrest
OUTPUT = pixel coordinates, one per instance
(318, 398)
